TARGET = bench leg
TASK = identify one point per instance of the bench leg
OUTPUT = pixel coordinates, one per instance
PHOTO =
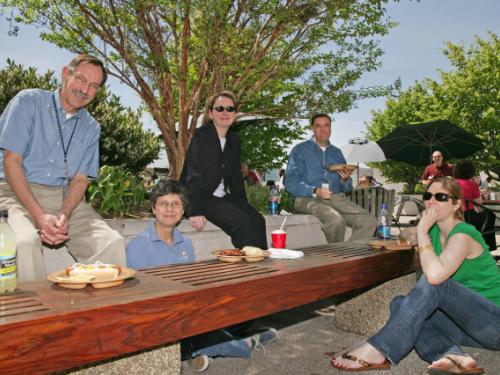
(164, 360)
(367, 313)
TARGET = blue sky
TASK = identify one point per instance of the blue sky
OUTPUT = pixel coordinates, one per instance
(412, 51)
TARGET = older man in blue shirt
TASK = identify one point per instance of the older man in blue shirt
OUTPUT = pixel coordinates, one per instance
(50, 147)
(321, 192)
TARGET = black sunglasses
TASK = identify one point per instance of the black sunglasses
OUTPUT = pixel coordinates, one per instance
(440, 197)
(229, 108)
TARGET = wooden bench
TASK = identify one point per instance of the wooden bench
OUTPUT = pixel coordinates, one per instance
(46, 328)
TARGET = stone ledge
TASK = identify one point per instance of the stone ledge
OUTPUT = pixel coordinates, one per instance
(303, 230)
(368, 312)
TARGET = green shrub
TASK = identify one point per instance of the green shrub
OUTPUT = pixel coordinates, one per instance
(420, 189)
(258, 197)
(117, 193)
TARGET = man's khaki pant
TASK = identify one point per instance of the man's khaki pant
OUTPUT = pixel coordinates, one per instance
(91, 239)
(335, 213)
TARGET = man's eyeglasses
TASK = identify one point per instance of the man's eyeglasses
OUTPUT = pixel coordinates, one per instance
(82, 80)
(440, 197)
(173, 205)
(229, 108)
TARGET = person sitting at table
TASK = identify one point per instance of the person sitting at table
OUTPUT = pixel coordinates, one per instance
(463, 173)
(438, 168)
(484, 185)
(250, 176)
(458, 271)
(482, 219)
(213, 179)
(364, 182)
(162, 244)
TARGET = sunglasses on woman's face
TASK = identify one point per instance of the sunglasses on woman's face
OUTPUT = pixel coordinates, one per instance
(229, 108)
(440, 197)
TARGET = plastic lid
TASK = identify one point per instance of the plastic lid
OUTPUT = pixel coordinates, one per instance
(4, 213)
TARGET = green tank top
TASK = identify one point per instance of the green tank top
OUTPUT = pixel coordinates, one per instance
(481, 274)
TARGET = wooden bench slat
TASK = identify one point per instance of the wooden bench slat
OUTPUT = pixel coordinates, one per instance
(83, 326)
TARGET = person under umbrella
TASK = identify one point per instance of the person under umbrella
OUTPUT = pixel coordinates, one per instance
(438, 168)
(415, 143)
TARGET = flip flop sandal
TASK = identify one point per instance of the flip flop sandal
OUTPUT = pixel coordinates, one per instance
(458, 369)
(365, 366)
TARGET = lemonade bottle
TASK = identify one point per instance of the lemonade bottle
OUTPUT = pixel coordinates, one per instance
(8, 268)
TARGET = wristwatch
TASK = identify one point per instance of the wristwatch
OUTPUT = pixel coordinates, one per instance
(314, 193)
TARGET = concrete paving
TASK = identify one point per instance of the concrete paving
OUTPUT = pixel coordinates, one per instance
(304, 346)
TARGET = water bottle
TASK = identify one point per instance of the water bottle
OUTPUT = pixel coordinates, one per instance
(384, 223)
(8, 268)
(274, 201)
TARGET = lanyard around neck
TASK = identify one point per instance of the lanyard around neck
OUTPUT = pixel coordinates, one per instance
(65, 148)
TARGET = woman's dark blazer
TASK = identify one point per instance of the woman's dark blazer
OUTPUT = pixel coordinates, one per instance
(206, 165)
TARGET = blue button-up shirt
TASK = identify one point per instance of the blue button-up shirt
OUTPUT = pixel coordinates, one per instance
(148, 250)
(308, 169)
(28, 127)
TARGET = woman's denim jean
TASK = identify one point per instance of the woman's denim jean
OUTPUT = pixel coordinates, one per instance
(435, 320)
(225, 342)
(227, 345)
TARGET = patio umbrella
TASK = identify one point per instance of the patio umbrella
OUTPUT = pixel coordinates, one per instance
(362, 151)
(414, 144)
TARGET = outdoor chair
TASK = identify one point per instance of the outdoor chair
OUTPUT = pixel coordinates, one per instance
(400, 202)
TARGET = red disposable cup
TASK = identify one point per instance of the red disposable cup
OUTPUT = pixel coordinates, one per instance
(279, 239)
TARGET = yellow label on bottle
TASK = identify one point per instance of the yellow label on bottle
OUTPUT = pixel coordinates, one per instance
(8, 267)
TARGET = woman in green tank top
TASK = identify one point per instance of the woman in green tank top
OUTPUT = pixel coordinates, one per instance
(456, 302)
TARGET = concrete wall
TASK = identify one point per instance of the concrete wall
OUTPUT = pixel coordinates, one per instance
(302, 230)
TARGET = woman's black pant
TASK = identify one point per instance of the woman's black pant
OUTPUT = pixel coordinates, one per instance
(235, 216)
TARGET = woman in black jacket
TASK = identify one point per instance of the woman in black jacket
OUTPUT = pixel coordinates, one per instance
(213, 179)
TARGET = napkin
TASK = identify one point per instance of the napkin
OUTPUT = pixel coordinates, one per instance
(285, 253)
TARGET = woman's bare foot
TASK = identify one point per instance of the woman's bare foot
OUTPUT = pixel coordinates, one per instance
(365, 353)
(453, 362)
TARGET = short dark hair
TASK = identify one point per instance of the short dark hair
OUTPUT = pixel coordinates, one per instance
(318, 115)
(464, 169)
(168, 186)
(89, 59)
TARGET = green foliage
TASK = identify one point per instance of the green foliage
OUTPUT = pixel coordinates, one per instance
(123, 141)
(116, 193)
(467, 96)
(285, 59)
(14, 78)
(286, 201)
(258, 197)
(417, 189)
(265, 143)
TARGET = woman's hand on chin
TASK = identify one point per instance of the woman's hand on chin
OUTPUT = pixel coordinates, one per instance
(198, 222)
(427, 220)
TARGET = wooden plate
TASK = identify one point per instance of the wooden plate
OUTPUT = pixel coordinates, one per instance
(236, 258)
(63, 280)
(339, 167)
(389, 245)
